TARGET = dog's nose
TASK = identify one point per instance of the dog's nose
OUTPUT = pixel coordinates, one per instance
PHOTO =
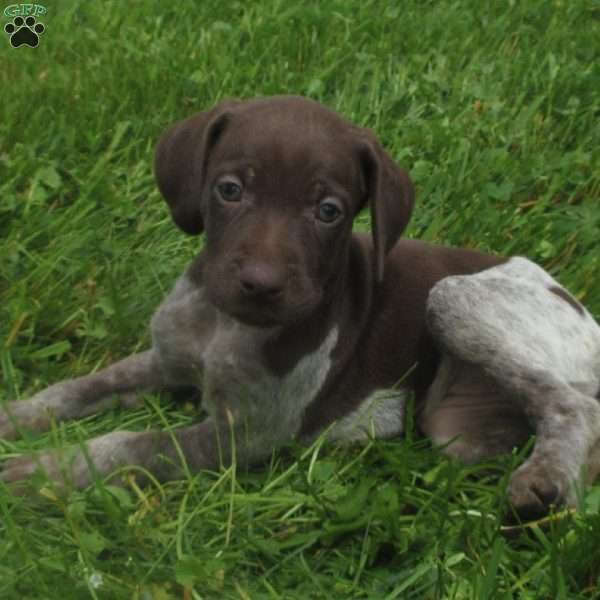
(262, 281)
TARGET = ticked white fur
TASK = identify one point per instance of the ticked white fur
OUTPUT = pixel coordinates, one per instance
(380, 415)
(537, 346)
(267, 407)
(510, 308)
(224, 358)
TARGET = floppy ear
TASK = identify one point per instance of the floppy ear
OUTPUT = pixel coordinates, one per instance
(180, 163)
(391, 195)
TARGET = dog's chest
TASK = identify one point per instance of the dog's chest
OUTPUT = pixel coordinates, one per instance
(236, 380)
(199, 345)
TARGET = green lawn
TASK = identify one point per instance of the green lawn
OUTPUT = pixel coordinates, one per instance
(494, 107)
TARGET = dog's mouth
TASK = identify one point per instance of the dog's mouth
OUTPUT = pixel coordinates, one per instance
(262, 309)
(263, 318)
(267, 314)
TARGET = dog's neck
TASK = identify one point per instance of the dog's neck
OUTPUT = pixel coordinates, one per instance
(346, 307)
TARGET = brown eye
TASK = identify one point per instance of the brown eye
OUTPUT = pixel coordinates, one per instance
(229, 191)
(328, 211)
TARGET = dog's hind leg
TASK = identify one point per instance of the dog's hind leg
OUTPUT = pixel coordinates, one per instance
(541, 348)
(469, 416)
(84, 395)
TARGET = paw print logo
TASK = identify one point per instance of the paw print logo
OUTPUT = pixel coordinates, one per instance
(24, 31)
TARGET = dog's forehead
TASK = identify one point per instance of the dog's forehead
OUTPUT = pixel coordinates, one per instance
(292, 133)
(289, 113)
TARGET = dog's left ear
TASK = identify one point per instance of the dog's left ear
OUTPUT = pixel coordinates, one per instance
(391, 195)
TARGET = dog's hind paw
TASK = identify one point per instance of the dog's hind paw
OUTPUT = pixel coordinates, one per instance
(535, 488)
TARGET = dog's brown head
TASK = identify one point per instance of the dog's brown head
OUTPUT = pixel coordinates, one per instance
(276, 184)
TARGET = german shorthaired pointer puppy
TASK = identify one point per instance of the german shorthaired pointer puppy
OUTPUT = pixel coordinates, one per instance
(290, 324)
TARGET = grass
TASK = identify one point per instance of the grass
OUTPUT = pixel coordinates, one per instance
(495, 109)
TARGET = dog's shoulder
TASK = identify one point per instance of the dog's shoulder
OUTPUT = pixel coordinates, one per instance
(183, 324)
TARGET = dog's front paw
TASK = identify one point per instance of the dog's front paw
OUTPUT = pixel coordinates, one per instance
(7, 428)
(536, 487)
(18, 472)
(22, 415)
(73, 467)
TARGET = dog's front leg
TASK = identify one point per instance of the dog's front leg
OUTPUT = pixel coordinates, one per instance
(164, 455)
(84, 395)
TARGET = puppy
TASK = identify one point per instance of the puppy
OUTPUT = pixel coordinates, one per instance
(290, 324)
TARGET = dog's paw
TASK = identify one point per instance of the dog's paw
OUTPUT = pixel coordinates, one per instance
(535, 488)
(18, 473)
(22, 415)
(7, 428)
(74, 467)
(24, 31)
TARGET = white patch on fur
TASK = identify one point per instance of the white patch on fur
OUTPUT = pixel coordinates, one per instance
(200, 345)
(520, 311)
(380, 415)
(266, 408)
(439, 387)
(181, 328)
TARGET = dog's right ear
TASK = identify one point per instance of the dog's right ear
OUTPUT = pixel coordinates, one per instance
(180, 163)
